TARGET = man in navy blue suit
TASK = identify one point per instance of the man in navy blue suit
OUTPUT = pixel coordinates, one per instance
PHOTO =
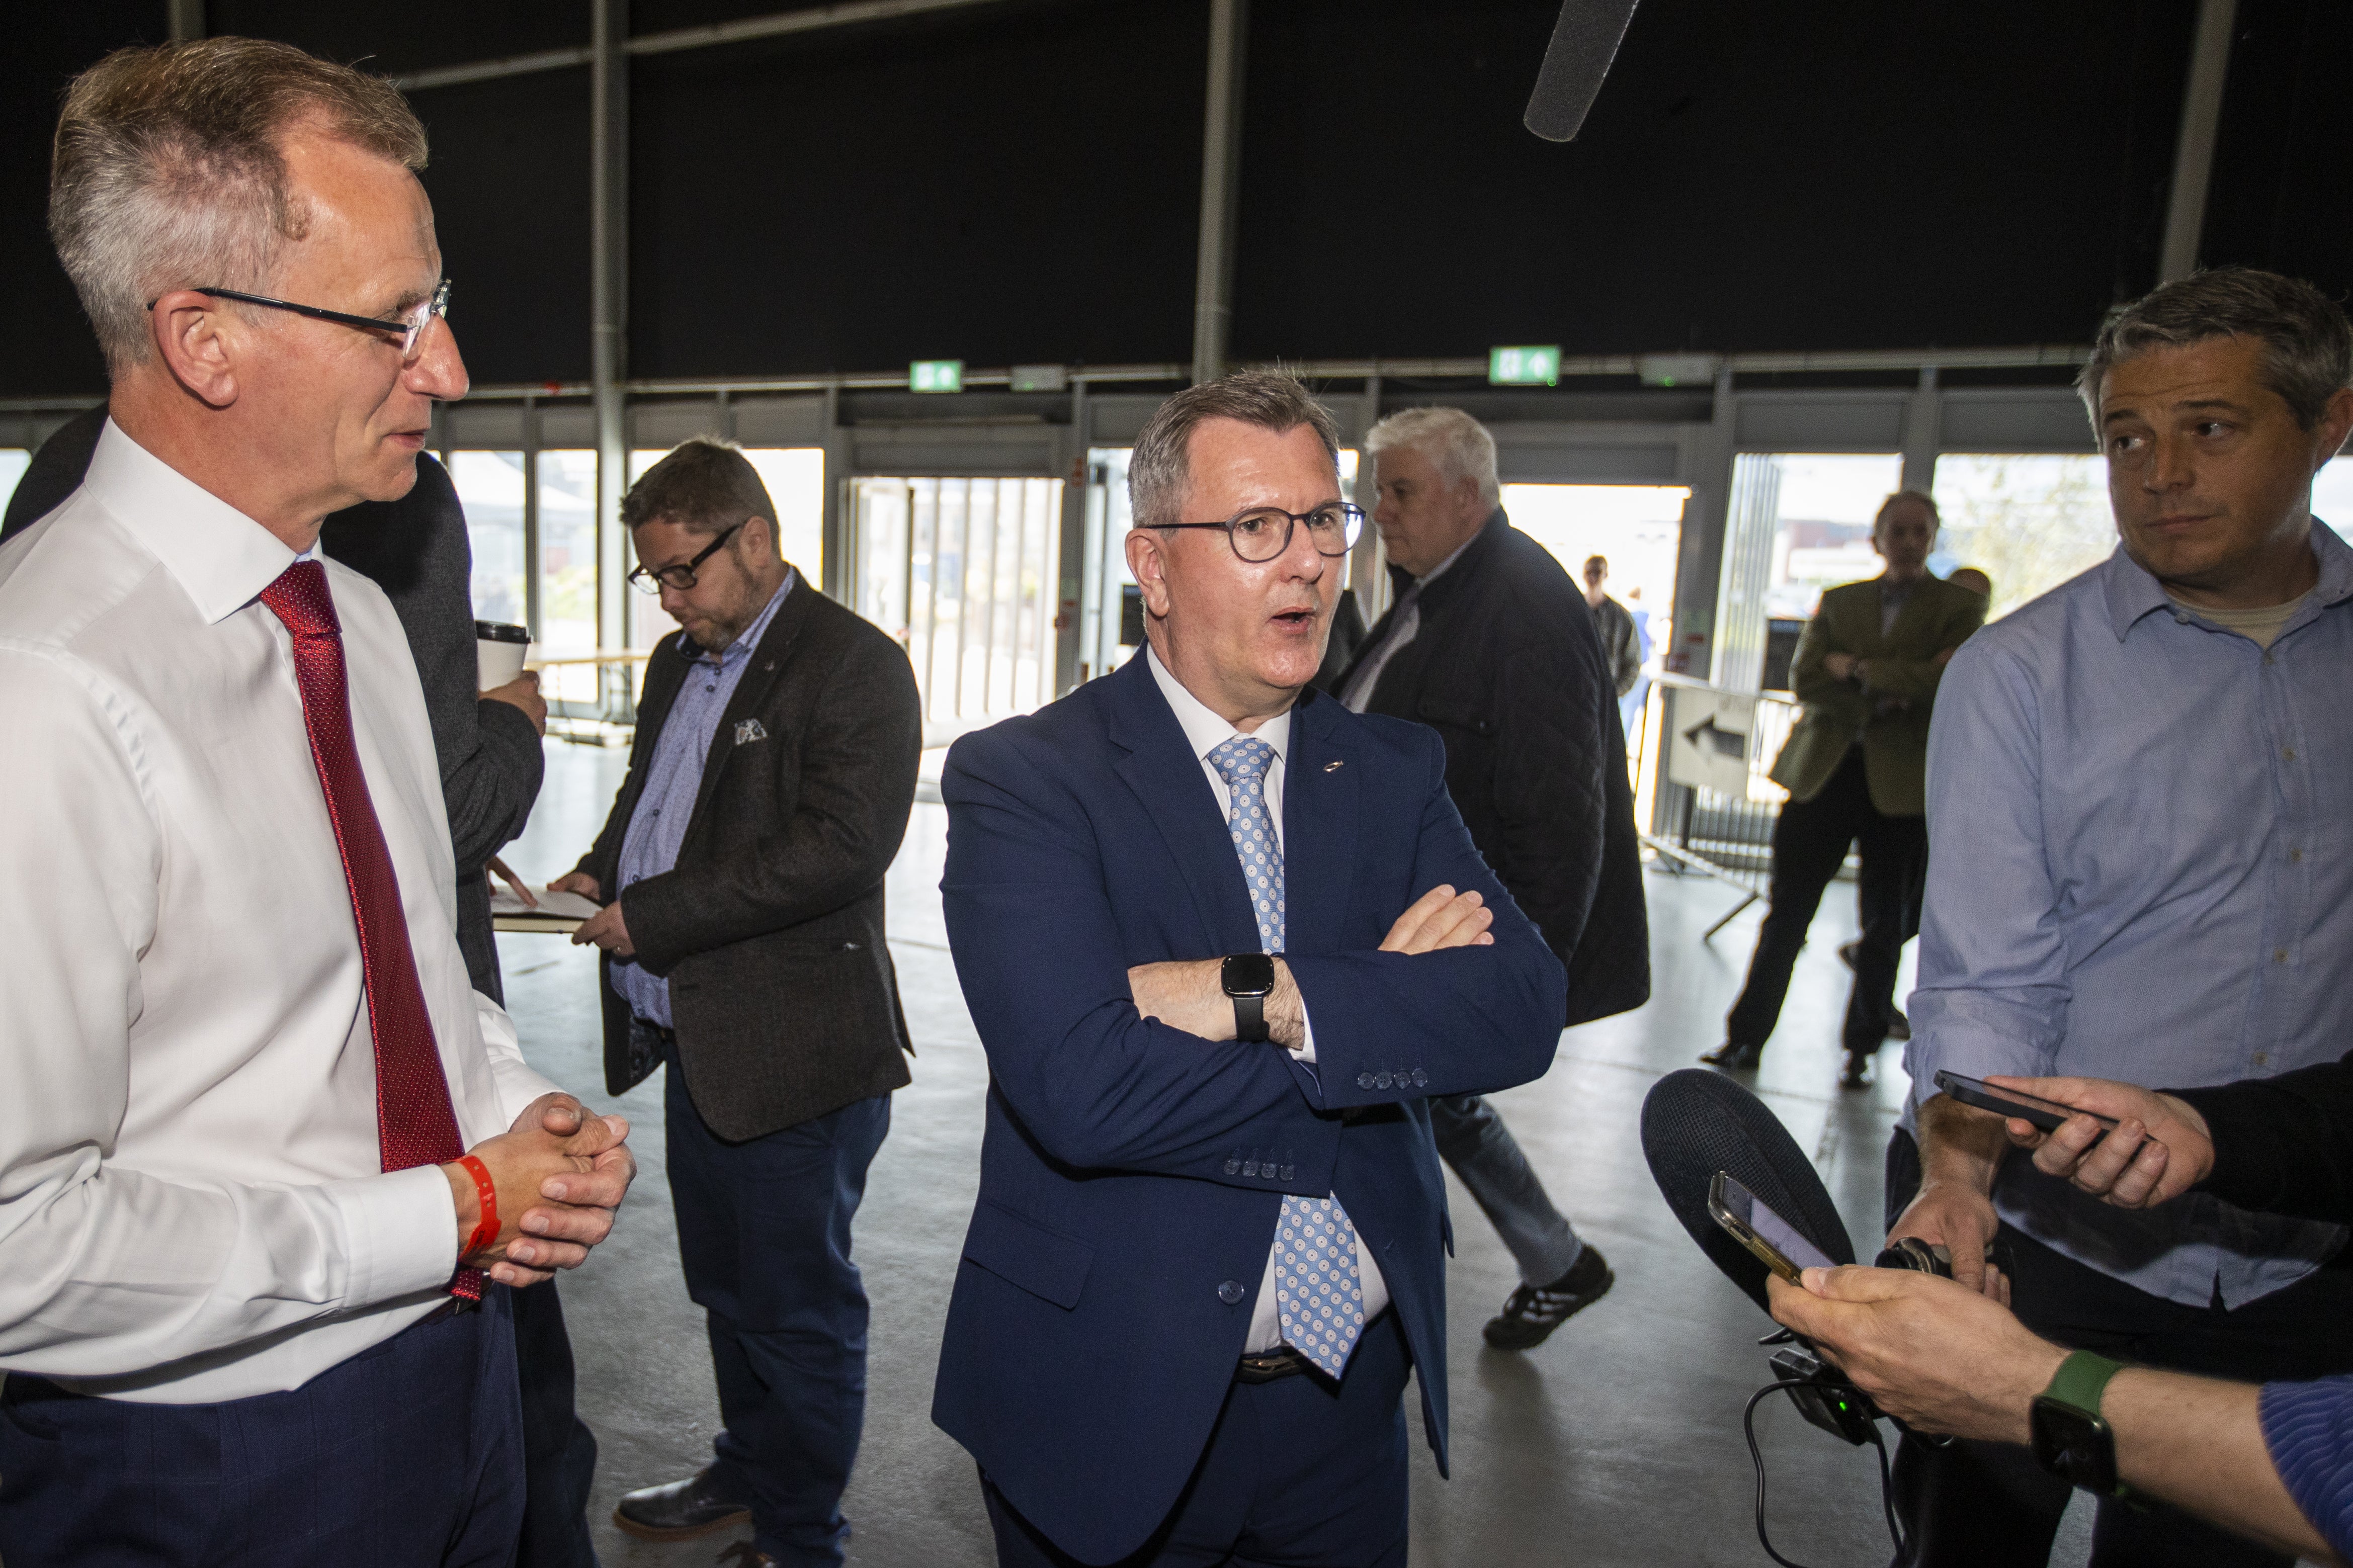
(1221, 938)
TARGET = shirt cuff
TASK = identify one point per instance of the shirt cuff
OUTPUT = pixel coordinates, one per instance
(400, 1233)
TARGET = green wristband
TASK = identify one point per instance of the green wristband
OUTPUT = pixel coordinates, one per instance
(2081, 1379)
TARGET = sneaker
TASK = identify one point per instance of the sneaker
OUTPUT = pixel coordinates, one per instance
(1533, 1312)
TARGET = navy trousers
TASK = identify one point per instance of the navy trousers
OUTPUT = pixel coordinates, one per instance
(559, 1452)
(764, 1232)
(1298, 1472)
(408, 1455)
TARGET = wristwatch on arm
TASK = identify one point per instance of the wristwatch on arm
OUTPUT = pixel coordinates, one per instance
(2071, 1440)
(1249, 980)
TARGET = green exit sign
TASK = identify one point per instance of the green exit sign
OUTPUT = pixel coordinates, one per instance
(935, 376)
(1537, 366)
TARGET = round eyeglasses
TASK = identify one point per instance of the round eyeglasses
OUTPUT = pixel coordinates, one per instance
(408, 327)
(1263, 532)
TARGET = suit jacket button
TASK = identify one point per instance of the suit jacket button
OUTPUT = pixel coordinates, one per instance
(1286, 1173)
(1232, 1165)
(1420, 1078)
(1230, 1291)
(1364, 1080)
(1380, 1080)
(1250, 1167)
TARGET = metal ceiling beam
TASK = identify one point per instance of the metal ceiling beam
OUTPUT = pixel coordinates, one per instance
(815, 18)
(187, 20)
(2193, 153)
(608, 288)
(1222, 146)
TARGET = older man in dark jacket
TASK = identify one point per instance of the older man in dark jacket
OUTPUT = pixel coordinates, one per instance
(1491, 645)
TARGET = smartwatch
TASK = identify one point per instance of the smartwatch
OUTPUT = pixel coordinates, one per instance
(1249, 979)
(2071, 1440)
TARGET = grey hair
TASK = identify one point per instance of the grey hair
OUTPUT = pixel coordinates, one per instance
(167, 171)
(1935, 514)
(1159, 469)
(1457, 446)
(2307, 346)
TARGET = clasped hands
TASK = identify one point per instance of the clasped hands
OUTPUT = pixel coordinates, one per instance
(1189, 994)
(558, 1175)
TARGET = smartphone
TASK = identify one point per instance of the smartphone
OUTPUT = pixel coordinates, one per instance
(2045, 1114)
(1774, 1241)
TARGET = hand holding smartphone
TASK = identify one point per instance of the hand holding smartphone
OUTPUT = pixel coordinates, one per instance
(2045, 1115)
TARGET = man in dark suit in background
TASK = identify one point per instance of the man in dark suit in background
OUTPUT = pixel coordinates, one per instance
(1207, 1246)
(487, 746)
(1490, 644)
(768, 791)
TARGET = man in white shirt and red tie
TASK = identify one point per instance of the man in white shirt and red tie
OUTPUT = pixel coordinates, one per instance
(268, 1163)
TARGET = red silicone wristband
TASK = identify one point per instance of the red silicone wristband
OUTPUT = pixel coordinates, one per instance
(487, 1230)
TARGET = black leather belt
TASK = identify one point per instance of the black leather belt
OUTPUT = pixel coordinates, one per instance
(1283, 1361)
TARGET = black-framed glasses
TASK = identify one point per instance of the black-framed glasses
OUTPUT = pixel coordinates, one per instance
(680, 576)
(1263, 532)
(408, 328)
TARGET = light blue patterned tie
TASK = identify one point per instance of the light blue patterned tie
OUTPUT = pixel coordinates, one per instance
(1319, 1297)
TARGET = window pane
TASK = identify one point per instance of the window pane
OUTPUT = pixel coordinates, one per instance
(1799, 522)
(490, 486)
(14, 461)
(2027, 521)
(2332, 494)
(567, 552)
(795, 478)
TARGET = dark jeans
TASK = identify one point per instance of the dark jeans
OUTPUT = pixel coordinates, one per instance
(1473, 1140)
(1809, 845)
(764, 1231)
(1990, 1505)
(406, 1456)
(1298, 1472)
(559, 1452)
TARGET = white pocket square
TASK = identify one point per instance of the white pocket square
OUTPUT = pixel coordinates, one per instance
(749, 730)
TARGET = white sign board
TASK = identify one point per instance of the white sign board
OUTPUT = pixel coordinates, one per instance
(1708, 736)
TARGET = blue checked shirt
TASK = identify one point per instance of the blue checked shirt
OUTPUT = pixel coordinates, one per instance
(2141, 868)
(657, 826)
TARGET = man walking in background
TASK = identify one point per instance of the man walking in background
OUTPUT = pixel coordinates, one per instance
(1867, 669)
(743, 935)
(1621, 643)
(1490, 644)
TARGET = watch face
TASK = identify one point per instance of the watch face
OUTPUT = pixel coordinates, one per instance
(2075, 1445)
(1248, 974)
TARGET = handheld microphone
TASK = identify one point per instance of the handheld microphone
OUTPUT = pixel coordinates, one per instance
(1696, 1122)
(1584, 43)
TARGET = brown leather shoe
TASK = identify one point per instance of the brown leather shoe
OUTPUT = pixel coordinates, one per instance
(679, 1510)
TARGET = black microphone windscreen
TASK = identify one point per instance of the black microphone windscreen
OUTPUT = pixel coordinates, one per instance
(1584, 41)
(1695, 1123)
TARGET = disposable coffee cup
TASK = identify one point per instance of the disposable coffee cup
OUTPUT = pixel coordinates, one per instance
(498, 651)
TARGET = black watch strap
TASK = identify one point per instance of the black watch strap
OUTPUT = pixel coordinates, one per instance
(1250, 1019)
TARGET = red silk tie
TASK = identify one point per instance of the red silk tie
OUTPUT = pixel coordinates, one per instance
(414, 1120)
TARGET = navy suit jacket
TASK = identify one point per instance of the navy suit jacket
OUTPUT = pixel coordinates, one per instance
(1132, 1174)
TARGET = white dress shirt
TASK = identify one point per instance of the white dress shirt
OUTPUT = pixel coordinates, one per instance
(1205, 732)
(191, 1204)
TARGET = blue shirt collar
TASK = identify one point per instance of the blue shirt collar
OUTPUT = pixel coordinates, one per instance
(741, 648)
(2131, 592)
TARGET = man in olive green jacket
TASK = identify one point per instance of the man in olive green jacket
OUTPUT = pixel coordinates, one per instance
(1856, 768)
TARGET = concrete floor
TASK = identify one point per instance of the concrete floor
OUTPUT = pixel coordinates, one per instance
(1617, 1442)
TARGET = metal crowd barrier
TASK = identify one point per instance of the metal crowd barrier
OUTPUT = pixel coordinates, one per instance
(1715, 809)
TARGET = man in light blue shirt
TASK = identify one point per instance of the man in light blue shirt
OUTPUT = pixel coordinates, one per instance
(2142, 869)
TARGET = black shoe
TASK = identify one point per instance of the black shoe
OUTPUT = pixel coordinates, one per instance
(679, 1510)
(1899, 1028)
(1533, 1312)
(1847, 949)
(1858, 1073)
(1733, 1057)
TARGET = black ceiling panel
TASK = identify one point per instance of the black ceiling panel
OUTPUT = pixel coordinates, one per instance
(409, 37)
(1844, 175)
(58, 355)
(1007, 182)
(509, 185)
(2279, 195)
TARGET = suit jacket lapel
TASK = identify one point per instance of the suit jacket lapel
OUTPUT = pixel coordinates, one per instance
(1166, 777)
(751, 693)
(1320, 781)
